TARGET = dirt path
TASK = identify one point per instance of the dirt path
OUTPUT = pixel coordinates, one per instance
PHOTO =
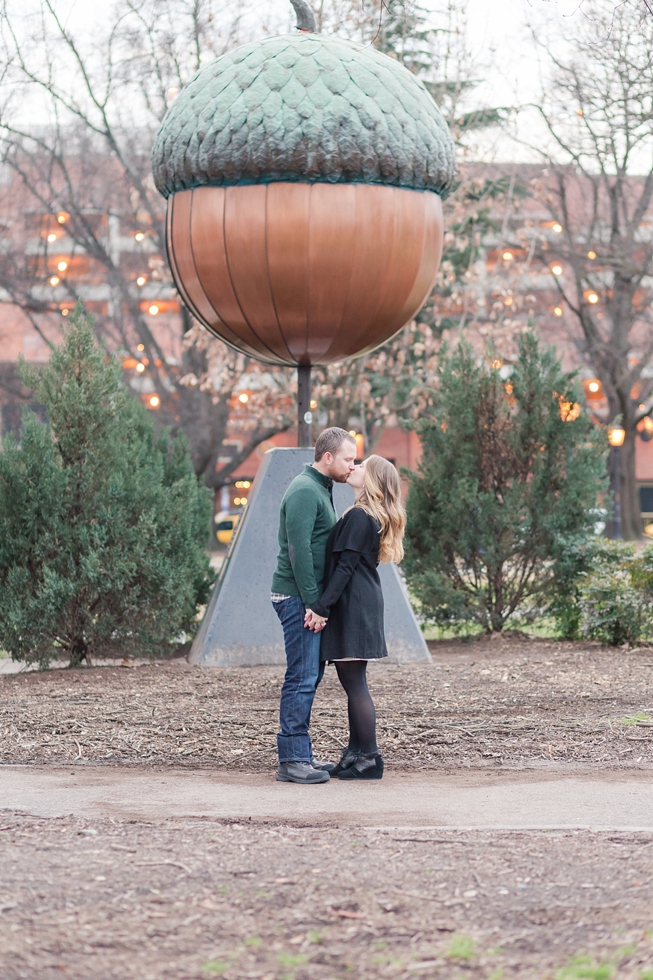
(610, 800)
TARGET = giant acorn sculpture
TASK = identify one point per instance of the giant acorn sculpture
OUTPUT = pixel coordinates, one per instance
(304, 177)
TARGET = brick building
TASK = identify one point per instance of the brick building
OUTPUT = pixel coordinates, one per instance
(43, 266)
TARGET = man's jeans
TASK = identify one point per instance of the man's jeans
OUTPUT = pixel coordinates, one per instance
(303, 673)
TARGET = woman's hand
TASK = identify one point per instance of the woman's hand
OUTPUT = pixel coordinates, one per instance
(314, 622)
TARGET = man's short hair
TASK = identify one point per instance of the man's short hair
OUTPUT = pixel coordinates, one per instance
(330, 441)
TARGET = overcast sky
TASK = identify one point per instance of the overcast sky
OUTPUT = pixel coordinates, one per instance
(497, 32)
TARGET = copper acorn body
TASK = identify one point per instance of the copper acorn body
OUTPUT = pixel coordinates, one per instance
(304, 273)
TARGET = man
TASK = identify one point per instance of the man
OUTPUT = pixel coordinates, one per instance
(307, 516)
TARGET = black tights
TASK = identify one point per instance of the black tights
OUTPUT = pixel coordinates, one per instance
(360, 707)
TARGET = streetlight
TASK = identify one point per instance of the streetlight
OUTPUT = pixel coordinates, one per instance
(616, 436)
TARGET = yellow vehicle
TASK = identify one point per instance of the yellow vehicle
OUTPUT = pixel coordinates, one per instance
(225, 525)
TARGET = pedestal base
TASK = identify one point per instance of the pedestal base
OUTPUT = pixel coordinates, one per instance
(240, 628)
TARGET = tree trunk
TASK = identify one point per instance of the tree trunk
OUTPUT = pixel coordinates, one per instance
(78, 652)
(631, 524)
(495, 615)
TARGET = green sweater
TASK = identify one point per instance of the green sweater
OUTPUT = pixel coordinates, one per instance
(306, 519)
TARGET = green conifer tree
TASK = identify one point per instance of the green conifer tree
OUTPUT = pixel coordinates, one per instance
(511, 474)
(103, 526)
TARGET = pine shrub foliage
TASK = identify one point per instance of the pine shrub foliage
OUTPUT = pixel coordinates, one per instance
(509, 478)
(610, 598)
(103, 526)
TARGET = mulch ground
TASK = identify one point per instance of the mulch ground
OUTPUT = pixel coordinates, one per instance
(507, 702)
(192, 899)
(188, 899)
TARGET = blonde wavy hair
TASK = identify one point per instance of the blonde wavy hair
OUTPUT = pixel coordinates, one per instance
(381, 499)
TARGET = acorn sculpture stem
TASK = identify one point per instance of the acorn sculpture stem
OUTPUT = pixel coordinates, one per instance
(307, 25)
(304, 413)
(305, 17)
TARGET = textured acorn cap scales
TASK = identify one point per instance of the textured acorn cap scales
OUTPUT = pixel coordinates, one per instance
(303, 107)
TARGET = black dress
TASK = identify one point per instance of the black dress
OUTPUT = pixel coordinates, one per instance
(352, 599)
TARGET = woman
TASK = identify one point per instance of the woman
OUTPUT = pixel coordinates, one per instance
(350, 610)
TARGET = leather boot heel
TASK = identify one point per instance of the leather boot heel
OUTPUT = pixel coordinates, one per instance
(347, 759)
(365, 767)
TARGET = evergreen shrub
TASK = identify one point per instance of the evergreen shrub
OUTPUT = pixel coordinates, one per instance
(511, 474)
(580, 557)
(612, 609)
(611, 598)
(103, 526)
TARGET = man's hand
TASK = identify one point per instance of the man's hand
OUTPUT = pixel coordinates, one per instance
(314, 622)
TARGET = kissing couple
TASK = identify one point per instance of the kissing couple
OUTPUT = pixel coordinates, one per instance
(327, 594)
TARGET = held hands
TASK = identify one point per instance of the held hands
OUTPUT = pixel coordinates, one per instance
(314, 622)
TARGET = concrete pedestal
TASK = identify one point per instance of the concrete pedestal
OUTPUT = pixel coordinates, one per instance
(240, 628)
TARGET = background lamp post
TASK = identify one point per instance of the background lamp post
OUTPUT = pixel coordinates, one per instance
(616, 436)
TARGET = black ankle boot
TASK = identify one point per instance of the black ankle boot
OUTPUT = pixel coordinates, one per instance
(365, 767)
(347, 759)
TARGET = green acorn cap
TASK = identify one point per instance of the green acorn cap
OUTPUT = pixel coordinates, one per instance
(303, 107)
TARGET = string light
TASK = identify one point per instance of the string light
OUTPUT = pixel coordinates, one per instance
(153, 310)
(557, 227)
(139, 236)
(243, 397)
(140, 347)
(52, 237)
(556, 269)
(313, 404)
(65, 311)
(140, 367)
(591, 255)
(592, 298)
(557, 311)
(62, 266)
(141, 281)
(55, 280)
(507, 301)
(62, 218)
(155, 401)
(594, 386)
(506, 256)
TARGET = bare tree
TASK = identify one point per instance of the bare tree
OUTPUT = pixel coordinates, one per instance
(87, 165)
(598, 188)
(102, 102)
